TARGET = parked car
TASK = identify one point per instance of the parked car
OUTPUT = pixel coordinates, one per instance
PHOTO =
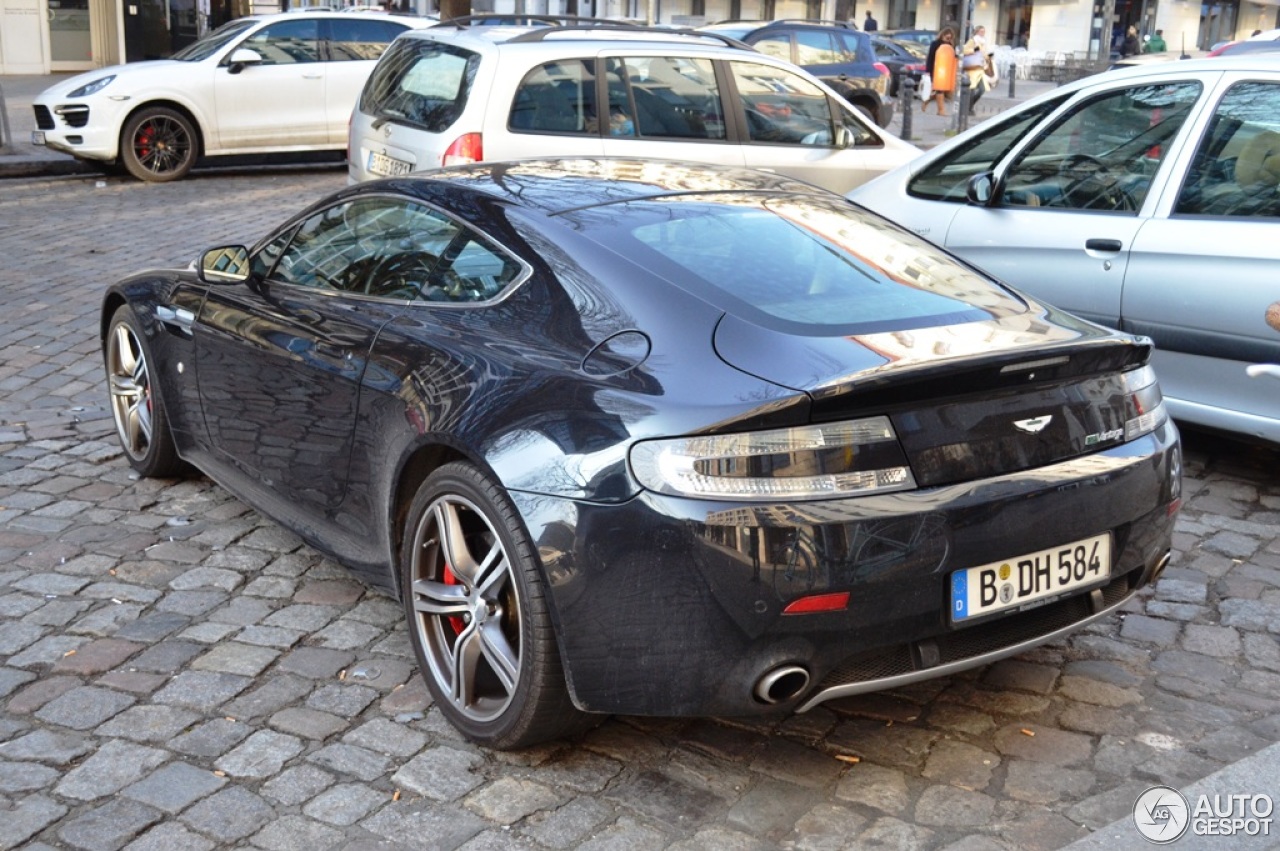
(456, 94)
(836, 53)
(1247, 46)
(902, 58)
(924, 37)
(256, 85)
(1144, 199)
(650, 438)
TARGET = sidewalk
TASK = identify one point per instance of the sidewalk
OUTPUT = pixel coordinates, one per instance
(20, 158)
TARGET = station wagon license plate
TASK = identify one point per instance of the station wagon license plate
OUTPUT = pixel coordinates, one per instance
(386, 166)
(1014, 583)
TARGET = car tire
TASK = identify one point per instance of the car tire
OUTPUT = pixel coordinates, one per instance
(136, 405)
(158, 144)
(478, 615)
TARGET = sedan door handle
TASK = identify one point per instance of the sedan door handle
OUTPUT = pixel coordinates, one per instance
(1103, 244)
(312, 76)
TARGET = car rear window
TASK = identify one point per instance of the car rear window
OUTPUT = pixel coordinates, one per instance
(801, 263)
(421, 82)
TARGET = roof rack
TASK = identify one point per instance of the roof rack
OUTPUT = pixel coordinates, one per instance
(548, 21)
(541, 33)
(848, 25)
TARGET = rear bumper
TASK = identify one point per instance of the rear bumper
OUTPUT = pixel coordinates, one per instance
(674, 607)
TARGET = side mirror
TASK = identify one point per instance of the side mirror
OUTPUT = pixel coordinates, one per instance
(844, 137)
(981, 190)
(227, 265)
(242, 57)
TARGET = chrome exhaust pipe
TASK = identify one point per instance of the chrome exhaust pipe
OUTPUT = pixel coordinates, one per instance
(1160, 566)
(781, 684)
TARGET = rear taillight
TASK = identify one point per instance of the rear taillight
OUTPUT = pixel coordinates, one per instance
(1144, 404)
(915, 69)
(883, 69)
(850, 458)
(465, 149)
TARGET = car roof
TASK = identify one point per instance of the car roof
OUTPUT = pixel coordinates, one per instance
(554, 186)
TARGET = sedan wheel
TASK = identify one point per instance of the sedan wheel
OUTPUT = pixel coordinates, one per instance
(158, 145)
(135, 401)
(478, 618)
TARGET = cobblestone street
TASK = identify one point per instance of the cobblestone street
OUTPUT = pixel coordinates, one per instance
(177, 672)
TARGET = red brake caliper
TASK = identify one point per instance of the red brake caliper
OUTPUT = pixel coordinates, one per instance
(455, 623)
(145, 139)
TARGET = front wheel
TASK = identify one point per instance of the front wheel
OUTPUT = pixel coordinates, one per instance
(135, 399)
(478, 616)
(158, 144)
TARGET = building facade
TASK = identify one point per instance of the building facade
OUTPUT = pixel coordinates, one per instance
(43, 36)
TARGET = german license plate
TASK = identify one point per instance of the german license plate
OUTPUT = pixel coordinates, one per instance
(1018, 582)
(37, 137)
(386, 166)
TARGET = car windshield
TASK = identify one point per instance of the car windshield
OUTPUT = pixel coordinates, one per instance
(214, 41)
(421, 82)
(802, 263)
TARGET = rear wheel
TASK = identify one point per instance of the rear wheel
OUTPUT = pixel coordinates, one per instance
(478, 617)
(135, 399)
(158, 144)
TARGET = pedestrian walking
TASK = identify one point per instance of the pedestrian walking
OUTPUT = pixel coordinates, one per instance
(1156, 43)
(870, 24)
(977, 65)
(1130, 46)
(941, 68)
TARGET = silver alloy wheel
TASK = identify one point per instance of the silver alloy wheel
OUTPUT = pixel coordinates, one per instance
(162, 145)
(130, 387)
(467, 608)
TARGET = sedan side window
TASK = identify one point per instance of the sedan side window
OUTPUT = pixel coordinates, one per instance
(947, 178)
(782, 108)
(395, 249)
(1236, 170)
(287, 42)
(1103, 153)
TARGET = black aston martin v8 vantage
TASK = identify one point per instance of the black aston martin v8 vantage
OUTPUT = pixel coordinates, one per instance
(656, 438)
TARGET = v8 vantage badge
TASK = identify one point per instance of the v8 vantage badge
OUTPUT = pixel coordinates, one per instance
(1161, 814)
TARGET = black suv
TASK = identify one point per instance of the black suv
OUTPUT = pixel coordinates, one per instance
(836, 52)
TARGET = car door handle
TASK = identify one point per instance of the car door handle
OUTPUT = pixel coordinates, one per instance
(1103, 244)
(312, 76)
(1257, 370)
(178, 318)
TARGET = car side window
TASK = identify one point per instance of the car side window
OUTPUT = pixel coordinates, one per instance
(858, 46)
(782, 108)
(947, 178)
(287, 42)
(1236, 169)
(671, 97)
(558, 97)
(777, 45)
(1102, 154)
(814, 47)
(356, 39)
(396, 249)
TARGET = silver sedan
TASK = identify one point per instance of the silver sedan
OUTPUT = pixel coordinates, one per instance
(1146, 200)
